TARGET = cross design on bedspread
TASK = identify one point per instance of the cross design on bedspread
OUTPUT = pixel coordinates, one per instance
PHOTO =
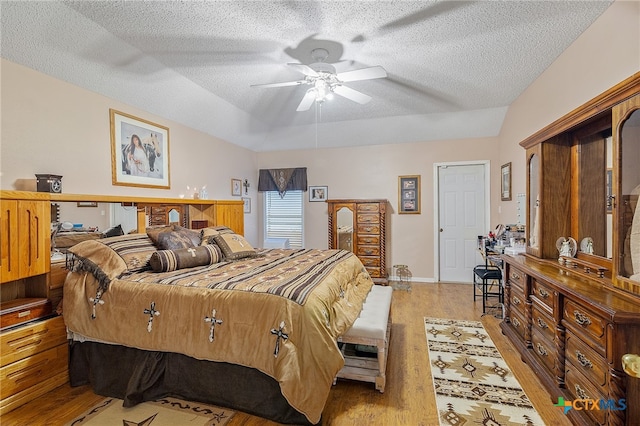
(151, 312)
(213, 320)
(96, 301)
(280, 335)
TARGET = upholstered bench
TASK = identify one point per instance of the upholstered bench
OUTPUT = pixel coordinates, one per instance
(370, 330)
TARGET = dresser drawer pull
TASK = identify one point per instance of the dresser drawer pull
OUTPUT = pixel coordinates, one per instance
(581, 318)
(543, 293)
(541, 350)
(583, 360)
(542, 324)
(515, 300)
(368, 251)
(515, 276)
(581, 393)
(515, 322)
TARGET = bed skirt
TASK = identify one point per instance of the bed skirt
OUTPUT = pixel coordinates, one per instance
(135, 376)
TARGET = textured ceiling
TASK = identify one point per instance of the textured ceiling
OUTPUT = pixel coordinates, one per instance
(453, 66)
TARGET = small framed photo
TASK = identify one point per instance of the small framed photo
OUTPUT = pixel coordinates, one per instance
(236, 187)
(318, 193)
(246, 204)
(87, 204)
(505, 182)
(409, 194)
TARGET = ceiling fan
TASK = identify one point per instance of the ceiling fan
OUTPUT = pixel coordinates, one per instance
(324, 80)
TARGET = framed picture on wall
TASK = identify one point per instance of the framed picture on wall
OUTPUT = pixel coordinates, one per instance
(139, 151)
(505, 185)
(409, 194)
(318, 193)
(246, 204)
(236, 187)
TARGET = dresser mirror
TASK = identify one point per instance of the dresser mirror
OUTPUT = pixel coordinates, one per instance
(534, 201)
(345, 228)
(591, 223)
(627, 206)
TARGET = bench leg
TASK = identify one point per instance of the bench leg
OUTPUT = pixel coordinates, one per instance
(381, 379)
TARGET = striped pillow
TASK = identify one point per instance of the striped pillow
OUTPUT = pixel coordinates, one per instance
(172, 260)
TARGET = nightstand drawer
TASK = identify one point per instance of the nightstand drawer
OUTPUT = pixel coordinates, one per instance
(57, 275)
(21, 375)
(28, 340)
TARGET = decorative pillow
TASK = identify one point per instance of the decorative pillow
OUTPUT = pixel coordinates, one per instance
(193, 235)
(171, 260)
(154, 231)
(174, 240)
(206, 234)
(113, 232)
(109, 258)
(234, 246)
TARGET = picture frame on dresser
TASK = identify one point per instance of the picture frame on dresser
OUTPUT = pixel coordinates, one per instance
(409, 194)
(139, 151)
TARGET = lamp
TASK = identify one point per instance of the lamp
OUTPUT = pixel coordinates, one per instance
(246, 185)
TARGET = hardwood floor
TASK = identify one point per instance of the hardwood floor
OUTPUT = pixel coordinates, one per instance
(408, 398)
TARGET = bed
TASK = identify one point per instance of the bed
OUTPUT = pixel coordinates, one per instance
(249, 329)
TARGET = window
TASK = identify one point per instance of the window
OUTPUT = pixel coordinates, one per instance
(283, 217)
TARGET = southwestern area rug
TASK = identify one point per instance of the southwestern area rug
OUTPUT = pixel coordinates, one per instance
(472, 382)
(163, 412)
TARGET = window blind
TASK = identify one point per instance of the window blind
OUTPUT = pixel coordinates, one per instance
(283, 217)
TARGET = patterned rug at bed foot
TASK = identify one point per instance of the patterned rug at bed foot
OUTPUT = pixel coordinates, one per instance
(472, 382)
(163, 412)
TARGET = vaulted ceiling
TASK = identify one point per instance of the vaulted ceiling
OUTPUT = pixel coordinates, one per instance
(453, 67)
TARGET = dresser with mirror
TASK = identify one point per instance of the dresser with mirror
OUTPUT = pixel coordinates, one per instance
(572, 301)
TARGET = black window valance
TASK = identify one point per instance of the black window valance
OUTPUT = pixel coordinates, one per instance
(283, 180)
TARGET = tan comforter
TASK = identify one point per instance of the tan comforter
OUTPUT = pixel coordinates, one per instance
(279, 313)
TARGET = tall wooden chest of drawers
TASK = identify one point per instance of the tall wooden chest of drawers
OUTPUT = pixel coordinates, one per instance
(363, 224)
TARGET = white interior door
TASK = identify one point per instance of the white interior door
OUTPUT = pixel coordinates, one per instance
(462, 211)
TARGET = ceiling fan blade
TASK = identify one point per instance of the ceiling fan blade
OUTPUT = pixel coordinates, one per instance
(362, 74)
(284, 84)
(307, 101)
(351, 94)
(304, 69)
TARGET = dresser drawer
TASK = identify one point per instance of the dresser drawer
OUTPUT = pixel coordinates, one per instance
(517, 277)
(543, 293)
(368, 207)
(544, 350)
(580, 388)
(368, 250)
(518, 323)
(25, 341)
(366, 218)
(369, 229)
(586, 322)
(374, 272)
(543, 323)
(373, 262)
(368, 239)
(21, 375)
(586, 360)
(517, 301)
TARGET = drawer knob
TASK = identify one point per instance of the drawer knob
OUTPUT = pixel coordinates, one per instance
(515, 300)
(515, 322)
(581, 318)
(515, 276)
(542, 324)
(583, 360)
(581, 393)
(543, 293)
(541, 350)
